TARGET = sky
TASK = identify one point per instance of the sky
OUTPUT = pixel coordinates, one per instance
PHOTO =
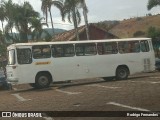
(101, 10)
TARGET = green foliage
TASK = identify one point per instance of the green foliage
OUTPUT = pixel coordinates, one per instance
(153, 3)
(37, 28)
(46, 7)
(48, 37)
(71, 11)
(26, 20)
(2, 50)
(18, 16)
(153, 33)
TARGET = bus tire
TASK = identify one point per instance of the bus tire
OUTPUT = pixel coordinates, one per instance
(43, 80)
(122, 73)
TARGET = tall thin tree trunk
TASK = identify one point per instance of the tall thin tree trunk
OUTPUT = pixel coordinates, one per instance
(12, 36)
(75, 24)
(46, 16)
(86, 19)
(86, 24)
(51, 21)
(2, 27)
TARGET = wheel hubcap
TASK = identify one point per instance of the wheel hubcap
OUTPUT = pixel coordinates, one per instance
(43, 80)
(122, 73)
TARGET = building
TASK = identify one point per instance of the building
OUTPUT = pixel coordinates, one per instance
(95, 32)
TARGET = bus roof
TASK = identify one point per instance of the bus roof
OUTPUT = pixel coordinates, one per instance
(74, 42)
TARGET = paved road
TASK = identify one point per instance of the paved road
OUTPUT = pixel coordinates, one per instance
(139, 93)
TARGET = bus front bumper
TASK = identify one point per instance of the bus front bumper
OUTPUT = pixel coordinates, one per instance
(13, 81)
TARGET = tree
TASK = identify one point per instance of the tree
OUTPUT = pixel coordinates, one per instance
(71, 11)
(46, 7)
(2, 45)
(23, 19)
(8, 7)
(2, 40)
(19, 17)
(85, 11)
(153, 3)
(2, 16)
(154, 33)
(37, 28)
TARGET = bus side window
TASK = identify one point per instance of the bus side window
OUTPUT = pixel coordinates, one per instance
(122, 46)
(86, 49)
(41, 51)
(129, 47)
(57, 51)
(107, 48)
(69, 50)
(137, 47)
(145, 46)
(24, 56)
(66, 50)
(90, 49)
(133, 47)
(100, 48)
(79, 49)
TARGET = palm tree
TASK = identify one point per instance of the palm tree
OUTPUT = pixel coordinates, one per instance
(21, 19)
(85, 11)
(8, 7)
(2, 40)
(24, 18)
(46, 7)
(37, 27)
(2, 16)
(153, 3)
(71, 11)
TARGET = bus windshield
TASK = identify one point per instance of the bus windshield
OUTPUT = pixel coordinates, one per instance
(11, 57)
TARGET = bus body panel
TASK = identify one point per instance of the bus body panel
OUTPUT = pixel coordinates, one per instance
(80, 67)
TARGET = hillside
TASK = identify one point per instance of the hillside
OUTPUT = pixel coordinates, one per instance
(56, 30)
(127, 28)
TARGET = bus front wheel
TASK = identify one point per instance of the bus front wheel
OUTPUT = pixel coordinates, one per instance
(43, 80)
(122, 73)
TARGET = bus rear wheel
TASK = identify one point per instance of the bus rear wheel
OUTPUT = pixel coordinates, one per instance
(42, 81)
(122, 73)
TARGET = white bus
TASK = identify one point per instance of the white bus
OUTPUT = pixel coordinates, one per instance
(43, 63)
